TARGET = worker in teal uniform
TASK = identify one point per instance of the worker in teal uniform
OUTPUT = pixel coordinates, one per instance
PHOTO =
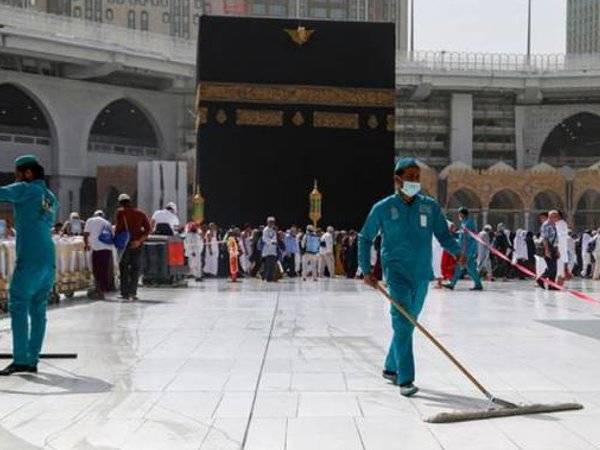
(34, 207)
(468, 247)
(406, 220)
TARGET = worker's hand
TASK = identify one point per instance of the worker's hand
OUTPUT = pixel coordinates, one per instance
(87, 247)
(371, 280)
(461, 259)
(135, 244)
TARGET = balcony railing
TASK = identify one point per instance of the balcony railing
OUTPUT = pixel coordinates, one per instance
(97, 35)
(442, 61)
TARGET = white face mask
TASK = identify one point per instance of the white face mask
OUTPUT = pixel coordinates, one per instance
(411, 188)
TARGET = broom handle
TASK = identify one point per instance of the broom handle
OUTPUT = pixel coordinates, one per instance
(429, 336)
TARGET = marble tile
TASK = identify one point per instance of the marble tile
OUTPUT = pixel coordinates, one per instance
(181, 372)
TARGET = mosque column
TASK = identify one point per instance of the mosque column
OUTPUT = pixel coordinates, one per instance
(527, 217)
(461, 129)
(484, 216)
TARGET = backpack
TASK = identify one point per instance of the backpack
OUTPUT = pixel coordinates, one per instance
(313, 243)
(106, 236)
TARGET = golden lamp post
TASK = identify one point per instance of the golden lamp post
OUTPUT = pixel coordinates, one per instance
(315, 202)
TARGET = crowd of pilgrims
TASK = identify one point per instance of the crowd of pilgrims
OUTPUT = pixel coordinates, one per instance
(579, 254)
(271, 253)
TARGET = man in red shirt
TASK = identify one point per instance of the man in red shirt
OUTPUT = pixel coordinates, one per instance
(136, 223)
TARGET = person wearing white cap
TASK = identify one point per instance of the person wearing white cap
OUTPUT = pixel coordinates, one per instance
(326, 256)
(165, 221)
(97, 235)
(134, 222)
(311, 244)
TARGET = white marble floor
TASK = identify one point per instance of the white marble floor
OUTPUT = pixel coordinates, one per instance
(297, 366)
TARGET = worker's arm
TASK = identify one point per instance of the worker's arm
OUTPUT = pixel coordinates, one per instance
(441, 232)
(13, 193)
(365, 242)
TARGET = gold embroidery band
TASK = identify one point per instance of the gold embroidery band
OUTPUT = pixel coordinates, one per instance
(335, 120)
(294, 95)
(259, 117)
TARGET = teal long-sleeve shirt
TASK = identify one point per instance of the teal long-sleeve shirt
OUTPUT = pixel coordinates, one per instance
(407, 230)
(35, 209)
(468, 245)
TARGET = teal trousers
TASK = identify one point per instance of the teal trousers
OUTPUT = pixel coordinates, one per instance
(411, 296)
(30, 289)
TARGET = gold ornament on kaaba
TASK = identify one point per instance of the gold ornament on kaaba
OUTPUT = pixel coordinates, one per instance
(221, 117)
(373, 122)
(300, 35)
(315, 203)
(298, 119)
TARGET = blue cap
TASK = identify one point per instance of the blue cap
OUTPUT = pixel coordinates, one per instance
(405, 163)
(26, 159)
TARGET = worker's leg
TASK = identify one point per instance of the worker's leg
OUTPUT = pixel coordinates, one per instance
(400, 358)
(20, 295)
(472, 271)
(458, 273)
(37, 314)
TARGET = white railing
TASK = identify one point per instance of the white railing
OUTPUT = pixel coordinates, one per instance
(98, 35)
(442, 61)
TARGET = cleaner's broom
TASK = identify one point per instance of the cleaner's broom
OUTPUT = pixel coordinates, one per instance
(498, 407)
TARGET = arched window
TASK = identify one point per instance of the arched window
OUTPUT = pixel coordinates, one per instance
(109, 15)
(144, 21)
(165, 17)
(77, 11)
(131, 19)
(575, 142)
(506, 207)
(123, 128)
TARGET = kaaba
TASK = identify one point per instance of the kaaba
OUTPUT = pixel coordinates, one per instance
(284, 102)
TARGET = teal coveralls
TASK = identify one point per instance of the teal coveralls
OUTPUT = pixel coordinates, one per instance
(406, 230)
(468, 246)
(33, 278)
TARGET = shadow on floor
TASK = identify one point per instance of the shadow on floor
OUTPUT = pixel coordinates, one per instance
(76, 384)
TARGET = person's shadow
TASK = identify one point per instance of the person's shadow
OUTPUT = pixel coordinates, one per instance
(76, 384)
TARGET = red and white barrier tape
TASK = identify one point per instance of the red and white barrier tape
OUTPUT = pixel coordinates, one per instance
(529, 273)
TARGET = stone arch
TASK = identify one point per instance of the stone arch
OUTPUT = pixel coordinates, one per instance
(574, 141)
(467, 198)
(125, 126)
(587, 210)
(544, 201)
(42, 129)
(507, 207)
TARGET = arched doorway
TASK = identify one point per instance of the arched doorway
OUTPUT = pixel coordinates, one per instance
(125, 129)
(574, 142)
(587, 213)
(24, 128)
(543, 202)
(506, 207)
(468, 199)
